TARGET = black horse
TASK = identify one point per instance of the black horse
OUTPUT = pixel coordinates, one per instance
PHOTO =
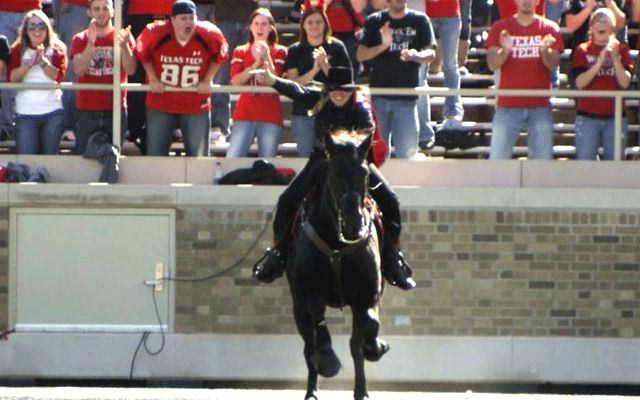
(335, 261)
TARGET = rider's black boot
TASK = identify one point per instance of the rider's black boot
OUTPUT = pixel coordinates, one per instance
(396, 270)
(270, 266)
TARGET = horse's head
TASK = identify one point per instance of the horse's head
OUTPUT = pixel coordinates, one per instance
(347, 180)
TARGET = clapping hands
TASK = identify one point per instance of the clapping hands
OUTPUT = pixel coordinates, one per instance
(260, 51)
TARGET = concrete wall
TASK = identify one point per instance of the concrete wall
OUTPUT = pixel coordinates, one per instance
(527, 271)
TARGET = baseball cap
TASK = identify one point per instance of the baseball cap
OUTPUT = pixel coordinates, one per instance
(183, 7)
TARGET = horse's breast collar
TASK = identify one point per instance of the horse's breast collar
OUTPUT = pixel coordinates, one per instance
(321, 245)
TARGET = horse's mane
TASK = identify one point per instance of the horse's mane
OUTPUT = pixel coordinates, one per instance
(344, 152)
(344, 136)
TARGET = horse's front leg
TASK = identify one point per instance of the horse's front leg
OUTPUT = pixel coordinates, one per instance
(307, 331)
(325, 359)
(356, 345)
(373, 348)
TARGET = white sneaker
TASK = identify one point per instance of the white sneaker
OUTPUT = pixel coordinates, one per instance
(214, 134)
(68, 136)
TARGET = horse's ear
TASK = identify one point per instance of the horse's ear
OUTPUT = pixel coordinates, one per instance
(364, 147)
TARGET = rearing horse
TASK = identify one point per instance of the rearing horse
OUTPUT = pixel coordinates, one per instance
(335, 261)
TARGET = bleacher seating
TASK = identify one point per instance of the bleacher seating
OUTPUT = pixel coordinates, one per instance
(478, 110)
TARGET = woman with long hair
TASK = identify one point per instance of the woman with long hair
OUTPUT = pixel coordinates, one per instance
(257, 114)
(309, 60)
(38, 56)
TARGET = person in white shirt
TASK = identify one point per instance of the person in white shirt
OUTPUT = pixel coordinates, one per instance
(38, 56)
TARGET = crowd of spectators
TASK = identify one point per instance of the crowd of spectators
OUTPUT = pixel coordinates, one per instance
(393, 43)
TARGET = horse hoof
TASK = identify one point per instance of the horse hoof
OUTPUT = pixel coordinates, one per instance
(326, 362)
(376, 351)
(310, 396)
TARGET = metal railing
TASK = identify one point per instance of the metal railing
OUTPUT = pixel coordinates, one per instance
(618, 96)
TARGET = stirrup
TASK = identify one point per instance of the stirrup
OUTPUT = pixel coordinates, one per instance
(270, 266)
(398, 272)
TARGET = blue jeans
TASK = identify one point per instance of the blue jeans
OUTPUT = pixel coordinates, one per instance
(195, 132)
(92, 121)
(304, 133)
(9, 24)
(465, 19)
(424, 108)
(448, 32)
(243, 133)
(553, 11)
(39, 134)
(72, 19)
(591, 133)
(400, 119)
(236, 34)
(507, 124)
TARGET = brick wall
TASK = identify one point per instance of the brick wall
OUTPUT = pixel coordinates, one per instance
(481, 272)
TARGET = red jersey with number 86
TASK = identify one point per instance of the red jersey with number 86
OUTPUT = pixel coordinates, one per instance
(180, 65)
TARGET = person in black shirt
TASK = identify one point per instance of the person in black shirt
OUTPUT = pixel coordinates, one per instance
(309, 60)
(396, 41)
(338, 105)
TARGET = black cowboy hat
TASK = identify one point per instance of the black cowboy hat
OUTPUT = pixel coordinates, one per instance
(340, 78)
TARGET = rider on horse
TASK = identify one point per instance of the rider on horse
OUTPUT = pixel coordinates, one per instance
(338, 105)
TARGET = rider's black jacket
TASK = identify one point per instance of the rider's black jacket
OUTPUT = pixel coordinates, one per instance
(355, 115)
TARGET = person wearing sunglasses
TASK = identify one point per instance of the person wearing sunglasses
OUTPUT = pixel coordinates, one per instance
(38, 56)
(12, 13)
